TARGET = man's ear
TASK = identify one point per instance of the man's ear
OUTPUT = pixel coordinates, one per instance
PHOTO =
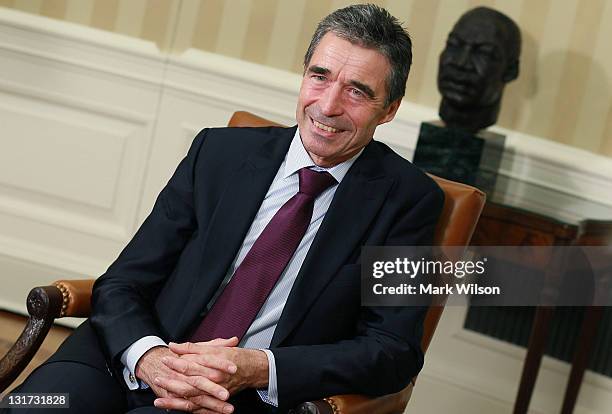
(512, 71)
(390, 110)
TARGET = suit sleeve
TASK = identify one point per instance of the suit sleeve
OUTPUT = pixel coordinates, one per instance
(123, 298)
(384, 355)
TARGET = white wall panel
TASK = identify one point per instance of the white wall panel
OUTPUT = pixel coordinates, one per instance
(54, 156)
(77, 113)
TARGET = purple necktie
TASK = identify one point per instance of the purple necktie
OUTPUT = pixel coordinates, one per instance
(240, 301)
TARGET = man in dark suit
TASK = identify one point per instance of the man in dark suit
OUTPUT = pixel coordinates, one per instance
(241, 290)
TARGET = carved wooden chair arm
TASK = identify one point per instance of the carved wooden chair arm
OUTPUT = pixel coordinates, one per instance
(63, 298)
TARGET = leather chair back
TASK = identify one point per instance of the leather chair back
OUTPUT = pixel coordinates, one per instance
(462, 207)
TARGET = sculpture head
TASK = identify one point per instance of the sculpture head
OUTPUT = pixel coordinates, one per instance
(480, 57)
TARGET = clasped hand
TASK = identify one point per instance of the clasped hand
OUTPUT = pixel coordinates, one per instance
(200, 377)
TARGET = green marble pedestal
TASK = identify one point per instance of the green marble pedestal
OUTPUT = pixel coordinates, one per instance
(458, 155)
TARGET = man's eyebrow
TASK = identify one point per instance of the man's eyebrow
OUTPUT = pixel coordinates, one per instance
(364, 88)
(319, 70)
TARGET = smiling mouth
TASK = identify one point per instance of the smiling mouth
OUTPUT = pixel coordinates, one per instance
(324, 127)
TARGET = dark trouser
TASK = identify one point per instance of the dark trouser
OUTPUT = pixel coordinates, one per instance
(89, 390)
(79, 369)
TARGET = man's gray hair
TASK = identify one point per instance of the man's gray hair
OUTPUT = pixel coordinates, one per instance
(373, 27)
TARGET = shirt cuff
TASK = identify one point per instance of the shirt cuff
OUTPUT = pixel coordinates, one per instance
(132, 355)
(270, 396)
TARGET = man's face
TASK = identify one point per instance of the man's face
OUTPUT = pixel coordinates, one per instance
(342, 100)
(474, 62)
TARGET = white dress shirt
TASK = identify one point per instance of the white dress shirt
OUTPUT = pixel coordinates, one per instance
(259, 335)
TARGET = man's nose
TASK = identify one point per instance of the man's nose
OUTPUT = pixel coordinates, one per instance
(331, 101)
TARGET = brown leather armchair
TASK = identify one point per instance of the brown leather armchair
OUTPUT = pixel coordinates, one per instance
(462, 208)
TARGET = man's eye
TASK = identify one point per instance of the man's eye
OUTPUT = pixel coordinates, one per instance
(319, 78)
(356, 92)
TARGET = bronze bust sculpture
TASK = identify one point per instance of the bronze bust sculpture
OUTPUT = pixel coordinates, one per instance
(480, 57)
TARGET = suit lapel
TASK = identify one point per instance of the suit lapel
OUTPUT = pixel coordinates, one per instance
(244, 193)
(357, 201)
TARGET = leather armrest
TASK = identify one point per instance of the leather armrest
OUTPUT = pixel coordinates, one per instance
(361, 404)
(76, 297)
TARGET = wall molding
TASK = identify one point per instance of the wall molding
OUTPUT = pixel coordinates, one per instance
(122, 114)
(80, 47)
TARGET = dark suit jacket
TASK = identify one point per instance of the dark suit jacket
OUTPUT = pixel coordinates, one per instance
(325, 343)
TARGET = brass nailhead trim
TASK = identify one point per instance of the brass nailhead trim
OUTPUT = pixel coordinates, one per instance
(332, 404)
(65, 298)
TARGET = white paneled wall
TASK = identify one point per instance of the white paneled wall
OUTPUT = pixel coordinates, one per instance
(77, 114)
(92, 124)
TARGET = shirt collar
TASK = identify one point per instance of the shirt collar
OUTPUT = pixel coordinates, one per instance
(298, 158)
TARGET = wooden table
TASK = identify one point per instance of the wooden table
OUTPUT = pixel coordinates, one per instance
(504, 224)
